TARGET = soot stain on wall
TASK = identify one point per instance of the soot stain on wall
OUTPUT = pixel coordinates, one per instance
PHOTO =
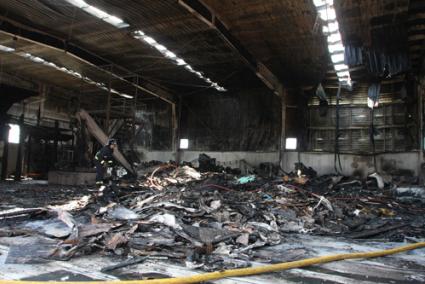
(240, 121)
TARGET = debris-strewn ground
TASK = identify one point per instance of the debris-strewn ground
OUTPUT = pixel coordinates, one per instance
(37, 194)
(208, 220)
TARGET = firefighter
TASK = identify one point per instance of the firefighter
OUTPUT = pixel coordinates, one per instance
(103, 159)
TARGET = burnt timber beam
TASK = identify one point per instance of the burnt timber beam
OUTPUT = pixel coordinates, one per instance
(20, 31)
(102, 137)
(208, 16)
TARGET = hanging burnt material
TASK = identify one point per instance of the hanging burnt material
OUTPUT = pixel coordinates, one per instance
(337, 133)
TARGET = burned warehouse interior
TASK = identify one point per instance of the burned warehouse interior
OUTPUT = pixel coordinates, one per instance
(212, 141)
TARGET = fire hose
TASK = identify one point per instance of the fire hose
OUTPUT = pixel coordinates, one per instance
(244, 271)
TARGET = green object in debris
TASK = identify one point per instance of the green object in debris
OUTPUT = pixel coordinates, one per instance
(246, 179)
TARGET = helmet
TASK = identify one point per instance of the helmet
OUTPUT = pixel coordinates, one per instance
(112, 141)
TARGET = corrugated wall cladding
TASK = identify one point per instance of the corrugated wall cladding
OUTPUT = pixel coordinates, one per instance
(395, 121)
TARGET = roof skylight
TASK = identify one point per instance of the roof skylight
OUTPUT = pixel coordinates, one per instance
(326, 11)
(170, 54)
(181, 61)
(149, 40)
(339, 67)
(6, 49)
(338, 57)
(160, 47)
(39, 60)
(140, 35)
(111, 19)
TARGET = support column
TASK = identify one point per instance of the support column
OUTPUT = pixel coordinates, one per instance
(421, 134)
(133, 123)
(282, 142)
(5, 158)
(43, 95)
(19, 156)
(55, 144)
(174, 137)
(108, 108)
(421, 93)
(28, 158)
(108, 113)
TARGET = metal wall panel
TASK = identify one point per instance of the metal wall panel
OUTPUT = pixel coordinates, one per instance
(393, 131)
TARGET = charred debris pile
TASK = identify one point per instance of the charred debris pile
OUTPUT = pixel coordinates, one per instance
(212, 217)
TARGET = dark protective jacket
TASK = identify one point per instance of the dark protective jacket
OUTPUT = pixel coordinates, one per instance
(104, 155)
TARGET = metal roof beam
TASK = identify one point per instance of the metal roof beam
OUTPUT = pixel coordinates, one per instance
(18, 30)
(208, 16)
